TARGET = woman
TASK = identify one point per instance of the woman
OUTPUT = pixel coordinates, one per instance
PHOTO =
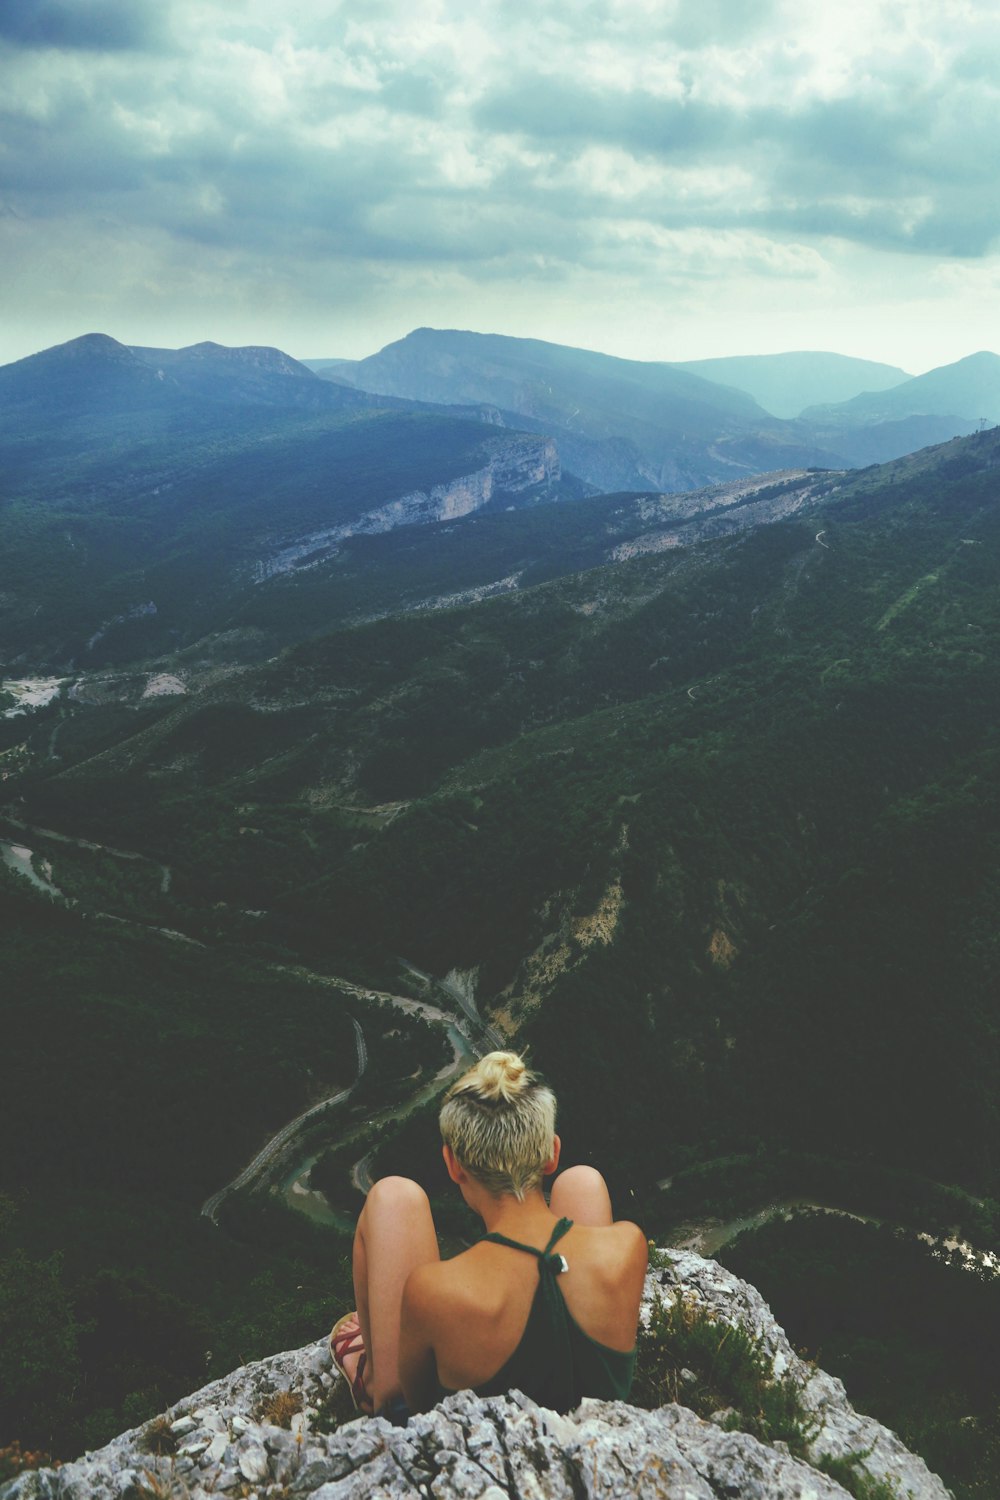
(547, 1303)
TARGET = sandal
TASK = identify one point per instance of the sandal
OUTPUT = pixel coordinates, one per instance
(345, 1340)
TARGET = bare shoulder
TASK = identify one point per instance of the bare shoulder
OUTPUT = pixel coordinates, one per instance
(433, 1284)
(623, 1251)
(424, 1290)
(628, 1240)
(634, 1246)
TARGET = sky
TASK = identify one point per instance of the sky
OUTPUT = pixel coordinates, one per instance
(657, 179)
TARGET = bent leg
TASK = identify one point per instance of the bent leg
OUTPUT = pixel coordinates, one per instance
(395, 1234)
(581, 1194)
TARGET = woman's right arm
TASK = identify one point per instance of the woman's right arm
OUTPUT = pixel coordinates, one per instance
(417, 1365)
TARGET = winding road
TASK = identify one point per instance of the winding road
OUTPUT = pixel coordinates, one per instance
(470, 1036)
(266, 1157)
(461, 995)
(166, 874)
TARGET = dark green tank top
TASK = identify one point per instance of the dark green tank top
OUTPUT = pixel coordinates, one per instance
(556, 1363)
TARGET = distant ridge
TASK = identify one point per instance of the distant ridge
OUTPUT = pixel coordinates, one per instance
(92, 367)
(785, 384)
(222, 356)
(628, 424)
(969, 388)
(96, 373)
(620, 423)
(246, 373)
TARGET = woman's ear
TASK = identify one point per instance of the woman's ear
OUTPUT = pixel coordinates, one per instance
(454, 1168)
(552, 1165)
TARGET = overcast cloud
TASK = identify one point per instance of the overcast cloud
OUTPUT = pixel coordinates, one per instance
(662, 180)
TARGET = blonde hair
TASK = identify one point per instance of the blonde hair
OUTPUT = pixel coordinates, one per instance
(500, 1121)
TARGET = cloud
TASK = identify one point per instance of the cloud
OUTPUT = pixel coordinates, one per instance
(424, 145)
(82, 25)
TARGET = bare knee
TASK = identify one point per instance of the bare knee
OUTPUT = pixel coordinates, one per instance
(396, 1199)
(582, 1194)
(581, 1179)
(396, 1192)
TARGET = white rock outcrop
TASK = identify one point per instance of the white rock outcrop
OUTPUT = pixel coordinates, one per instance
(514, 465)
(502, 1448)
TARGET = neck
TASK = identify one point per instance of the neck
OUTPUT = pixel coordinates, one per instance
(505, 1214)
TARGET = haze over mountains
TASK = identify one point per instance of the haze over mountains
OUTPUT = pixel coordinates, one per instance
(785, 384)
(626, 424)
(157, 496)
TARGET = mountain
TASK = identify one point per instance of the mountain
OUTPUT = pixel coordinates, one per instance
(969, 389)
(785, 384)
(145, 493)
(244, 375)
(625, 424)
(671, 778)
(544, 380)
(157, 497)
(619, 423)
(87, 372)
(96, 379)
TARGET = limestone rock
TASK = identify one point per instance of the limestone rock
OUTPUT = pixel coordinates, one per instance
(840, 1429)
(515, 464)
(469, 1448)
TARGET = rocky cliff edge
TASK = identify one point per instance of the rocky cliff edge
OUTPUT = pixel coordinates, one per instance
(259, 1432)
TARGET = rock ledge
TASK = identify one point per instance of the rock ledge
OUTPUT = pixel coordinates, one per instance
(473, 1449)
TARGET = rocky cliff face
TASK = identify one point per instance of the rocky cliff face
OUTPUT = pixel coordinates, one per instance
(515, 466)
(223, 1440)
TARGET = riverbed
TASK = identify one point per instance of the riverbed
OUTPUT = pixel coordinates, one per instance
(295, 1186)
(30, 692)
(17, 857)
(709, 1237)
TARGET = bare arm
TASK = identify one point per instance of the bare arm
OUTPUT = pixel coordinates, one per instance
(417, 1365)
(635, 1256)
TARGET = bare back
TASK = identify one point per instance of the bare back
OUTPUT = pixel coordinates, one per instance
(475, 1307)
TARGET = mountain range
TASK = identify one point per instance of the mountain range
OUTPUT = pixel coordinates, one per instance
(152, 498)
(786, 384)
(624, 424)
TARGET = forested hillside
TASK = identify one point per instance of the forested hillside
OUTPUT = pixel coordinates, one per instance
(147, 502)
(682, 797)
(712, 830)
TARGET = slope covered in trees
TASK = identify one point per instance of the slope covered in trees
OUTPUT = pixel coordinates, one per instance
(715, 828)
(743, 796)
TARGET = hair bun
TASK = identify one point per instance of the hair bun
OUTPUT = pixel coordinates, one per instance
(500, 1075)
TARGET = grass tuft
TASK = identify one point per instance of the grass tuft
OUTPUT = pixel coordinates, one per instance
(279, 1408)
(158, 1438)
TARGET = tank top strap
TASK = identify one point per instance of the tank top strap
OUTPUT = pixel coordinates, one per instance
(547, 1260)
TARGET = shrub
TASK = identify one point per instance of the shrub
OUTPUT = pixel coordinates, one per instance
(687, 1355)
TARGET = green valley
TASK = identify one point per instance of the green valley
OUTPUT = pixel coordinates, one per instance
(694, 796)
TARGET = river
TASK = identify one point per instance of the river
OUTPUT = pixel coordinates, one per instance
(708, 1237)
(295, 1186)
